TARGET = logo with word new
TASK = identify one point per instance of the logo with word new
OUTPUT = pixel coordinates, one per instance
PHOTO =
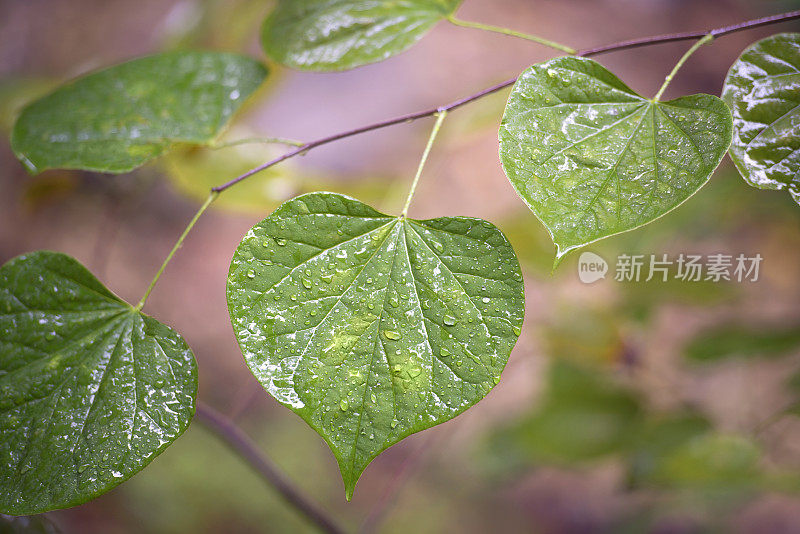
(591, 268)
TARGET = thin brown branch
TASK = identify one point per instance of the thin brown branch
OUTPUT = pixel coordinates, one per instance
(622, 45)
(242, 445)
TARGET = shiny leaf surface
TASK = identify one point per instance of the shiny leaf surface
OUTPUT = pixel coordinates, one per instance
(763, 91)
(373, 327)
(325, 35)
(90, 389)
(117, 119)
(592, 158)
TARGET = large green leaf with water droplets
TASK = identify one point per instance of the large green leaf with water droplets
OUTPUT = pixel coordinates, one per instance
(763, 91)
(117, 119)
(325, 35)
(373, 327)
(90, 389)
(592, 158)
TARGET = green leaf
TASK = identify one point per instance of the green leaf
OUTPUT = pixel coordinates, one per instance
(740, 341)
(90, 389)
(710, 462)
(37, 524)
(373, 327)
(117, 119)
(763, 91)
(592, 158)
(582, 417)
(326, 35)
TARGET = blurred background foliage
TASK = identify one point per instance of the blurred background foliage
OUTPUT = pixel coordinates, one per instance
(626, 407)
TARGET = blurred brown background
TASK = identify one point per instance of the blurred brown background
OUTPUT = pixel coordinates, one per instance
(604, 421)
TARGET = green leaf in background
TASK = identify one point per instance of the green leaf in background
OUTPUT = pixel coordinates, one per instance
(194, 171)
(716, 462)
(373, 327)
(661, 437)
(592, 158)
(90, 389)
(117, 119)
(582, 417)
(763, 91)
(37, 524)
(739, 341)
(325, 35)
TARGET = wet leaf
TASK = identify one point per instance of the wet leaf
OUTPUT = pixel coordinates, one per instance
(90, 389)
(740, 341)
(763, 91)
(325, 35)
(592, 158)
(117, 119)
(373, 327)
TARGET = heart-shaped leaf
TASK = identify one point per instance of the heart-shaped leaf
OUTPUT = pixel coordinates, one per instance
(91, 390)
(325, 35)
(373, 327)
(763, 91)
(592, 158)
(117, 119)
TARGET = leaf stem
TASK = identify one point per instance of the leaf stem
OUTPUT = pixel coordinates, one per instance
(247, 450)
(436, 127)
(706, 39)
(254, 140)
(203, 208)
(513, 33)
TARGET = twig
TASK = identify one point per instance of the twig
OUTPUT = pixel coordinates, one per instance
(240, 443)
(622, 45)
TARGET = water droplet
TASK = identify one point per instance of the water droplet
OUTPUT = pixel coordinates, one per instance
(344, 405)
(449, 320)
(251, 273)
(444, 353)
(281, 242)
(517, 330)
(373, 398)
(485, 300)
(391, 334)
(394, 423)
(306, 283)
(393, 301)
(327, 278)
(414, 372)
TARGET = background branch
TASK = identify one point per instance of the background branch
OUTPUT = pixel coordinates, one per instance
(243, 446)
(621, 45)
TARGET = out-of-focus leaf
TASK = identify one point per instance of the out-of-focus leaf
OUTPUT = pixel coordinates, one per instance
(584, 335)
(373, 327)
(36, 524)
(194, 171)
(741, 341)
(15, 94)
(710, 462)
(763, 91)
(325, 35)
(582, 417)
(661, 437)
(91, 390)
(117, 119)
(592, 158)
